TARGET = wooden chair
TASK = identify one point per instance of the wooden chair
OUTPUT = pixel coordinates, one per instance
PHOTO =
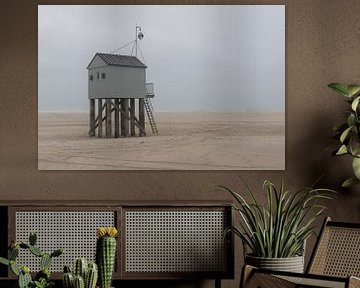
(334, 263)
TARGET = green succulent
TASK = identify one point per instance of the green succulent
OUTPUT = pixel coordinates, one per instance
(43, 283)
(348, 132)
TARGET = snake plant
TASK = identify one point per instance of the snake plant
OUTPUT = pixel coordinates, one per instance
(279, 228)
(348, 132)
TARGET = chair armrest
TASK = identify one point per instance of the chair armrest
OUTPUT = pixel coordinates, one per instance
(252, 277)
(246, 273)
(255, 277)
(354, 282)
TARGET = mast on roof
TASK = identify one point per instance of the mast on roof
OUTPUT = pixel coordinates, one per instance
(138, 35)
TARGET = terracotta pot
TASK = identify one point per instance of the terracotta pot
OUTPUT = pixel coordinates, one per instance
(291, 264)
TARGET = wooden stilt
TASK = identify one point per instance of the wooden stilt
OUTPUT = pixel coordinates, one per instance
(123, 114)
(92, 117)
(125, 117)
(108, 118)
(142, 117)
(126, 110)
(99, 117)
(132, 117)
(117, 131)
(122, 117)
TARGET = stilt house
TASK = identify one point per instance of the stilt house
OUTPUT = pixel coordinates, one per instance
(118, 84)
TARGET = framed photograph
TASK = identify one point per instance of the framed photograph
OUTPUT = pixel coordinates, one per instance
(161, 87)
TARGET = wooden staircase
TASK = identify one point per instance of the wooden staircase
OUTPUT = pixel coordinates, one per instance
(149, 111)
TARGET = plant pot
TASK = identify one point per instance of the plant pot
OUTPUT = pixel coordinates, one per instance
(291, 264)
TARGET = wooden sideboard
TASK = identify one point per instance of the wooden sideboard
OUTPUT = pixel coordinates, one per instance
(157, 240)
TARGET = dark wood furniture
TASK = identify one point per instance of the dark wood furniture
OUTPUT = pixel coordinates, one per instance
(157, 240)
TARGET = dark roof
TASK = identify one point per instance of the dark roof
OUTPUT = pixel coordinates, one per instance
(120, 60)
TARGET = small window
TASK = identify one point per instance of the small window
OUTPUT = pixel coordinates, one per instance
(102, 75)
(98, 75)
(91, 78)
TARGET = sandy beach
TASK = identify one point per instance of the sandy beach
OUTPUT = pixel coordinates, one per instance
(186, 141)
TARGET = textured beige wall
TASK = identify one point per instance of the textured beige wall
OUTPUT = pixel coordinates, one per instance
(322, 46)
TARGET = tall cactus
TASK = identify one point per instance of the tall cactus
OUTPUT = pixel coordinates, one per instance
(106, 254)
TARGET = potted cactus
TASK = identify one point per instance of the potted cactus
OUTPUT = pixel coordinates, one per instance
(85, 275)
(106, 254)
(42, 278)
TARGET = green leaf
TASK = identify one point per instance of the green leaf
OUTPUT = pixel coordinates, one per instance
(356, 167)
(356, 151)
(45, 261)
(4, 261)
(36, 251)
(349, 182)
(23, 245)
(13, 253)
(353, 89)
(351, 120)
(14, 268)
(340, 88)
(32, 238)
(345, 134)
(355, 103)
(342, 150)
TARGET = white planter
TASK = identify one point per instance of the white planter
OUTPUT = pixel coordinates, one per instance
(291, 264)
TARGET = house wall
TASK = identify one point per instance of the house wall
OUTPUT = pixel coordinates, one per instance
(126, 82)
(119, 82)
(322, 46)
(99, 88)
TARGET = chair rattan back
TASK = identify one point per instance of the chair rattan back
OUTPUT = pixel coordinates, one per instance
(337, 252)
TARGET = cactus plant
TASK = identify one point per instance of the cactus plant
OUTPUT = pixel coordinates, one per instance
(36, 251)
(105, 254)
(42, 278)
(32, 238)
(80, 268)
(91, 276)
(4, 261)
(14, 268)
(84, 274)
(24, 280)
(43, 274)
(13, 253)
(68, 280)
(45, 261)
(79, 282)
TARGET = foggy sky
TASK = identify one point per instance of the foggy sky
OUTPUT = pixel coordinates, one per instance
(201, 58)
